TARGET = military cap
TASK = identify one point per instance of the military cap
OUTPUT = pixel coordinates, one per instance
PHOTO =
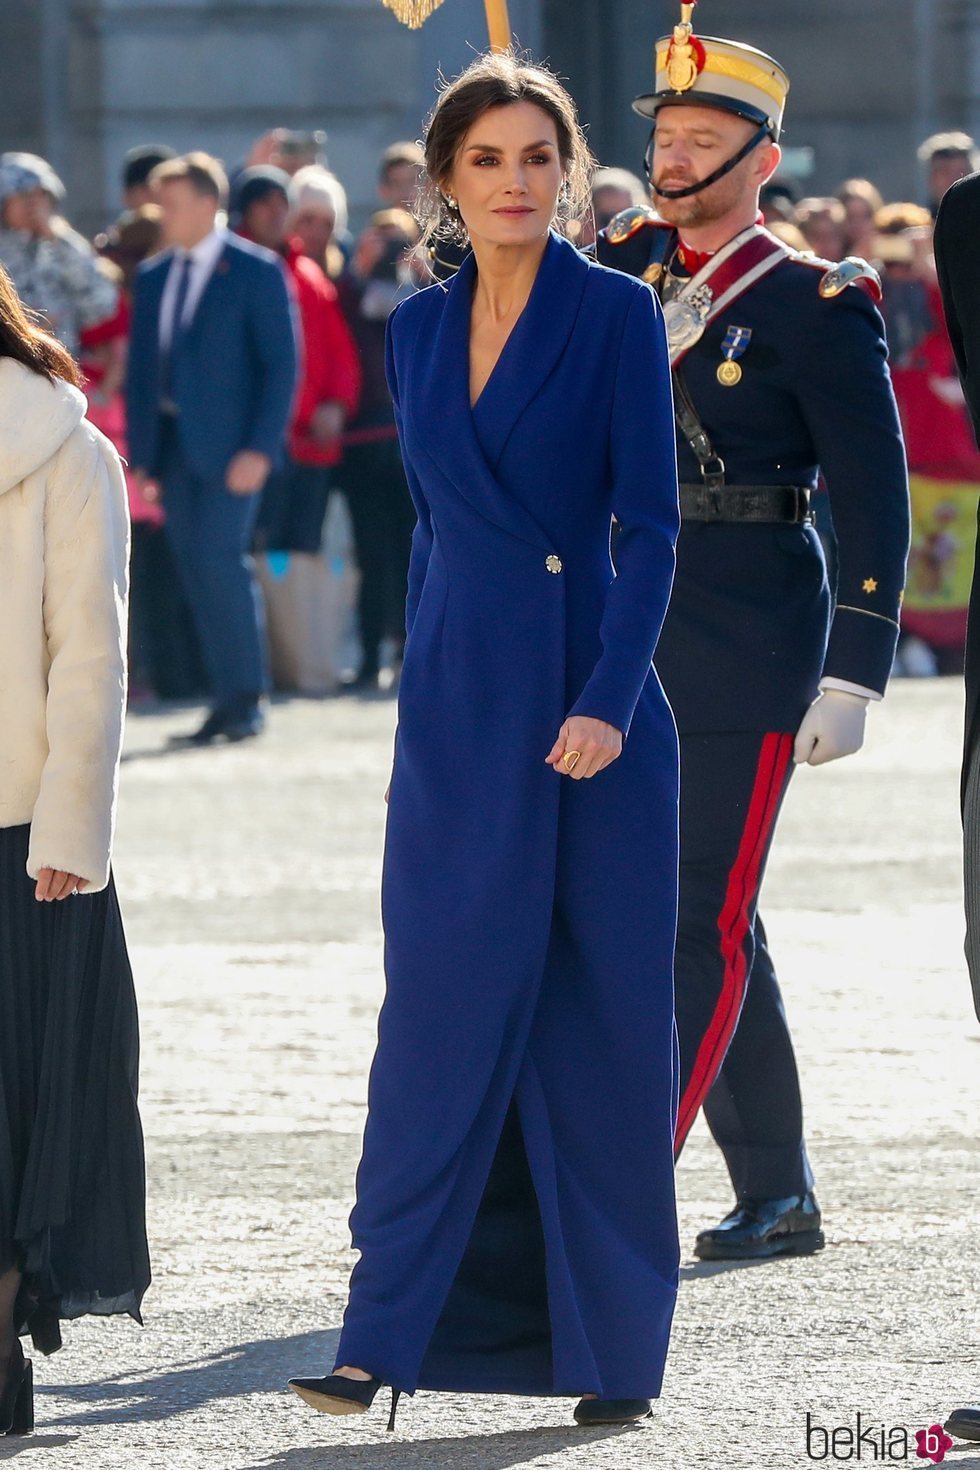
(706, 71)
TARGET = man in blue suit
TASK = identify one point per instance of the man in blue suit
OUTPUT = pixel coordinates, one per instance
(212, 371)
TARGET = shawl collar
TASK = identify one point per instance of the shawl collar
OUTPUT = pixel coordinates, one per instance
(467, 443)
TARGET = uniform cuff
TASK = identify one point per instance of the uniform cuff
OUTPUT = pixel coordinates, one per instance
(846, 687)
(861, 649)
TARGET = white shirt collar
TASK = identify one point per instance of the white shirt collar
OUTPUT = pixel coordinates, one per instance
(206, 251)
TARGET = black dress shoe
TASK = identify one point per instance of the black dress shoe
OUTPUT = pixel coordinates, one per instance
(244, 725)
(759, 1228)
(964, 1424)
(238, 719)
(612, 1411)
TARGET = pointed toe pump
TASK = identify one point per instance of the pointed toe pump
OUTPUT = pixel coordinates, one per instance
(591, 1413)
(337, 1395)
(17, 1401)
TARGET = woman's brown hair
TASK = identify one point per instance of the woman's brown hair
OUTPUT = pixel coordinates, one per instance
(499, 79)
(22, 338)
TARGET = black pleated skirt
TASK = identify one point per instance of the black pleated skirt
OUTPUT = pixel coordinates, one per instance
(72, 1175)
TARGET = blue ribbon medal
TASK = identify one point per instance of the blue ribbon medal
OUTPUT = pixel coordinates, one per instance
(735, 345)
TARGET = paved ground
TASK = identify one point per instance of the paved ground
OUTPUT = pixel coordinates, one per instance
(249, 880)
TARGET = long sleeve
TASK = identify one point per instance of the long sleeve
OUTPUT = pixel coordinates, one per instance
(86, 561)
(331, 371)
(422, 535)
(644, 502)
(95, 296)
(847, 401)
(955, 231)
(342, 365)
(60, 277)
(273, 337)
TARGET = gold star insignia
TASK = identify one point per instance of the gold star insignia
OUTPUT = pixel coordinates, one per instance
(870, 586)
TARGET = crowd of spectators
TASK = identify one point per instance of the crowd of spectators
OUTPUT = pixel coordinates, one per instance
(341, 435)
(340, 442)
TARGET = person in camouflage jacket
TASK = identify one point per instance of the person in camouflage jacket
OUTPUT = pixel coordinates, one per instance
(53, 269)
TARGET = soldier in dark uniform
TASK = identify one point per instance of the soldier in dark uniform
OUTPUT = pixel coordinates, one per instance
(780, 374)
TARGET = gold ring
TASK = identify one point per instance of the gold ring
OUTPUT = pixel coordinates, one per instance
(571, 759)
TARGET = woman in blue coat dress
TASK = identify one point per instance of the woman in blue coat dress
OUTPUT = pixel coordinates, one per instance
(515, 1209)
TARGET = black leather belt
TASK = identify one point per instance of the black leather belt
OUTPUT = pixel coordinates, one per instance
(781, 504)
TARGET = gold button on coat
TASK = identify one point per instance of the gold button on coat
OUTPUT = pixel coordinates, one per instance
(553, 563)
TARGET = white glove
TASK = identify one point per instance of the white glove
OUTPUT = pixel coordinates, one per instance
(833, 726)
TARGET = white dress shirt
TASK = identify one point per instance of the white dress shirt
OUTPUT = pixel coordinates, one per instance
(204, 257)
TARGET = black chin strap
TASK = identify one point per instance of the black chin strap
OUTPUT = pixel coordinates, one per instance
(719, 173)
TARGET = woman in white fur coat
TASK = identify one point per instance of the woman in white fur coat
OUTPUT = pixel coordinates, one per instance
(72, 1225)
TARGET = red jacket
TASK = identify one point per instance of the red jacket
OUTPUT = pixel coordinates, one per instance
(330, 369)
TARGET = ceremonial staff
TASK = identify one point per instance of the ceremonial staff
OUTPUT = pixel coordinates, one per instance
(415, 13)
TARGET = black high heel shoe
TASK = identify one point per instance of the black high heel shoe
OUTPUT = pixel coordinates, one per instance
(17, 1402)
(339, 1395)
(594, 1412)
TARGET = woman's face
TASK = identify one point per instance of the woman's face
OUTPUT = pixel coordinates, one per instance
(860, 218)
(824, 236)
(27, 211)
(508, 175)
(315, 226)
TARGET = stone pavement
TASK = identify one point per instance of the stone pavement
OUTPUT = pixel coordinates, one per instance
(249, 882)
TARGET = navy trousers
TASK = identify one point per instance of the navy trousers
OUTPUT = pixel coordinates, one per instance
(736, 1054)
(210, 533)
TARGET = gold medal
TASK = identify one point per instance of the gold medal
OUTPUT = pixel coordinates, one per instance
(729, 373)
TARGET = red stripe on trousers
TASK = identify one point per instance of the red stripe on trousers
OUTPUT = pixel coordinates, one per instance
(733, 926)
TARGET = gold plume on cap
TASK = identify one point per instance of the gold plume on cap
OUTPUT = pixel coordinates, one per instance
(684, 64)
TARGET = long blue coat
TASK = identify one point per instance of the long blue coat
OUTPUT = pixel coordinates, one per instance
(515, 1212)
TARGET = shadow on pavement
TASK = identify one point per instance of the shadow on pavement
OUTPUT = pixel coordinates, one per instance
(164, 752)
(481, 1451)
(245, 1368)
(698, 1270)
(20, 1445)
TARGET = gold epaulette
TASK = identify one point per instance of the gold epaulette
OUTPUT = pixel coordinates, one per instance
(837, 277)
(626, 224)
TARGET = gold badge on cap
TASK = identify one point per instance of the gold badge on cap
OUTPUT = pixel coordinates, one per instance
(686, 57)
